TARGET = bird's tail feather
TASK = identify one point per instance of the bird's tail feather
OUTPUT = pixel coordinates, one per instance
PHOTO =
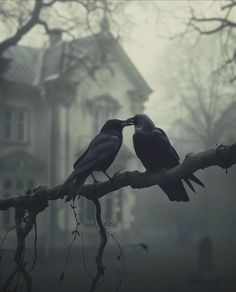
(193, 178)
(176, 191)
(188, 182)
(75, 188)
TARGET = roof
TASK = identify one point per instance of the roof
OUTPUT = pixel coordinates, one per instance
(58, 59)
(22, 67)
(35, 65)
(130, 68)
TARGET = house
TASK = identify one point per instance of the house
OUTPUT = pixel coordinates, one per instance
(53, 101)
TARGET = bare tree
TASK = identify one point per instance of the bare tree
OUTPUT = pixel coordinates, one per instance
(207, 110)
(72, 17)
(222, 24)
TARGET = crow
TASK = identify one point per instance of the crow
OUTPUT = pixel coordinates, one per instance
(98, 157)
(156, 153)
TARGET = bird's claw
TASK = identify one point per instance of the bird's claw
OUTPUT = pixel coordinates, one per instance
(107, 175)
(96, 182)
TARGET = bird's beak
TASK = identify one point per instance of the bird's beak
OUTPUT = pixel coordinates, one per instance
(128, 122)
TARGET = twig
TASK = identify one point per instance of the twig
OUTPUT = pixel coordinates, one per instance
(134, 179)
(35, 247)
(75, 233)
(103, 241)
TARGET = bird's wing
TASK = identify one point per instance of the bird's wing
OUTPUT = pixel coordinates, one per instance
(93, 144)
(102, 148)
(161, 138)
(138, 145)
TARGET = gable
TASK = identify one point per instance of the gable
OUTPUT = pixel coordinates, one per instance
(92, 53)
(33, 66)
(22, 66)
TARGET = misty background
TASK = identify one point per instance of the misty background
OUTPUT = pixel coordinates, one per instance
(184, 80)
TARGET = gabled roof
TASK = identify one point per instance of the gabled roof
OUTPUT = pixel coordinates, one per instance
(58, 59)
(33, 65)
(22, 67)
(130, 68)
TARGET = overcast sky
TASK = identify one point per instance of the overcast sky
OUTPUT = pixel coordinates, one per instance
(149, 37)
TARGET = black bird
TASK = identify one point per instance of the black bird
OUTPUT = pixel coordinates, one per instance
(155, 151)
(99, 155)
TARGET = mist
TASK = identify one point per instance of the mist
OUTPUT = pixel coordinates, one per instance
(78, 66)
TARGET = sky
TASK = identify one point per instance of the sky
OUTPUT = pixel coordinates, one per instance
(153, 34)
(154, 23)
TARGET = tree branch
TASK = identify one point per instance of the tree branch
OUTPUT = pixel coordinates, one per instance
(24, 29)
(223, 156)
(222, 22)
(103, 242)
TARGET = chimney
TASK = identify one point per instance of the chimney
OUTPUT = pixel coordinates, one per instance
(55, 37)
(104, 24)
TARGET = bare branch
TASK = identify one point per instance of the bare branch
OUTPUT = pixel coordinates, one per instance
(103, 242)
(24, 29)
(223, 157)
(231, 5)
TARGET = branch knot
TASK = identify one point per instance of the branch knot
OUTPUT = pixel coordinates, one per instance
(224, 155)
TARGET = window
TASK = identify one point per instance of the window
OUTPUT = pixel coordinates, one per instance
(15, 124)
(11, 187)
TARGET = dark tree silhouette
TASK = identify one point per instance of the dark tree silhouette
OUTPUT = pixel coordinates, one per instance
(223, 25)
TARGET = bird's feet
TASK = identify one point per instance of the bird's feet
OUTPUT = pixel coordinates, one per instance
(107, 175)
(95, 181)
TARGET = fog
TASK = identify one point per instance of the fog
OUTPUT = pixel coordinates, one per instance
(56, 94)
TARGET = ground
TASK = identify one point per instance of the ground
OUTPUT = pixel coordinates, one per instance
(160, 269)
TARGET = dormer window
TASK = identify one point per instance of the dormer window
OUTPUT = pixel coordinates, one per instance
(14, 124)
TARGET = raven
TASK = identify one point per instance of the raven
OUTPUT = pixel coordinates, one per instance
(156, 153)
(99, 155)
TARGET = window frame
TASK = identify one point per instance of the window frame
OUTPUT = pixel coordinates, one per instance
(15, 124)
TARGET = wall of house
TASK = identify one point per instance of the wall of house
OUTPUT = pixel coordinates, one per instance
(82, 125)
(38, 128)
(38, 137)
(76, 125)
